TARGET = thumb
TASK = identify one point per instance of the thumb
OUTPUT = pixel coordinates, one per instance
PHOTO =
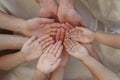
(45, 21)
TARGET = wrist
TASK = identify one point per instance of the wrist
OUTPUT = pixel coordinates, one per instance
(96, 35)
(22, 26)
(21, 57)
(84, 58)
(40, 75)
(42, 72)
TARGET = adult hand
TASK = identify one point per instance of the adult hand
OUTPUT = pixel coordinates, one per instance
(75, 49)
(82, 35)
(50, 59)
(31, 26)
(34, 47)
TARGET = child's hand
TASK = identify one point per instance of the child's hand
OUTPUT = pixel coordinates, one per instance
(75, 49)
(50, 59)
(81, 34)
(34, 47)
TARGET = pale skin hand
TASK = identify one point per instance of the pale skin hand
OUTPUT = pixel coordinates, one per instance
(58, 74)
(48, 8)
(86, 37)
(34, 47)
(82, 35)
(75, 49)
(50, 59)
(68, 13)
(50, 29)
(31, 26)
(80, 52)
(26, 27)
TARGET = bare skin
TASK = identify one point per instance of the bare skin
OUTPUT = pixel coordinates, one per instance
(25, 27)
(58, 74)
(11, 42)
(79, 52)
(85, 35)
(31, 50)
(68, 13)
(48, 8)
(49, 61)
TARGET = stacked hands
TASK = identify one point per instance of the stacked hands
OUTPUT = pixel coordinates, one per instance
(53, 42)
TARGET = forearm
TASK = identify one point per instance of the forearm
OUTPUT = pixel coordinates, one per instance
(11, 42)
(11, 23)
(70, 3)
(98, 70)
(112, 40)
(58, 74)
(10, 61)
(40, 76)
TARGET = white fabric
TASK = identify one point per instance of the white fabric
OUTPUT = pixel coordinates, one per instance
(105, 11)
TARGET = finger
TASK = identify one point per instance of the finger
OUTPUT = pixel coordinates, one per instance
(69, 25)
(45, 21)
(62, 34)
(31, 40)
(59, 52)
(65, 27)
(47, 44)
(53, 48)
(56, 25)
(83, 23)
(71, 42)
(57, 46)
(48, 49)
(67, 45)
(45, 41)
(57, 38)
(43, 37)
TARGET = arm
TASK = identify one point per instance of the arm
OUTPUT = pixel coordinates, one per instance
(11, 42)
(97, 69)
(48, 62)
(10, 61)
(85, 35)
(112, 40)
(58, 74)
(31, 50)
(26, 27)
(40, 75)
(11, 23)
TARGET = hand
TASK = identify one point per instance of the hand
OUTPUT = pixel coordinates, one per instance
(60, 35)
(50, 59)
(50, 29)
(75, 49)
(82, 35)
(48, 8)
(31, 26)
(70, 15)
(34, 47)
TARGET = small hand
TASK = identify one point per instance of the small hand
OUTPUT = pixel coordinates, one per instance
(75, 49)
(31, 26)
(34, 47)
(82, 35)
(50, 59)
